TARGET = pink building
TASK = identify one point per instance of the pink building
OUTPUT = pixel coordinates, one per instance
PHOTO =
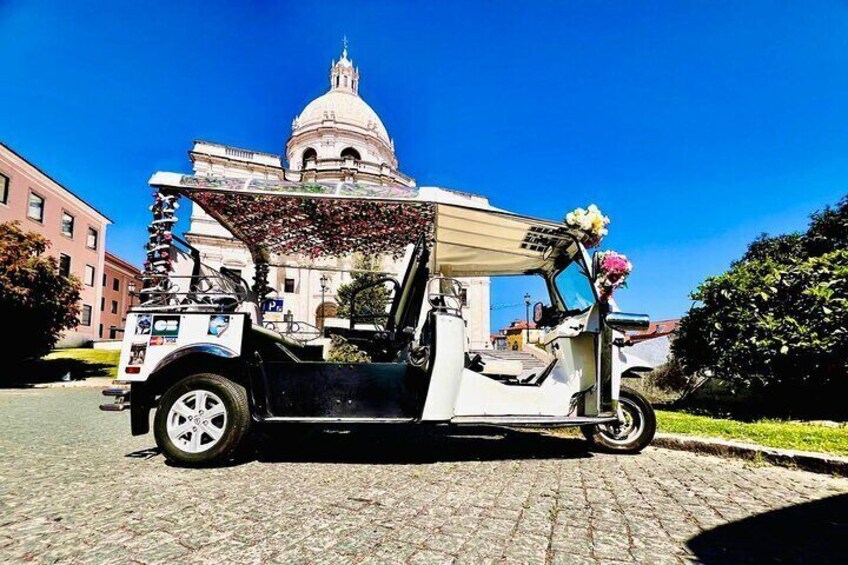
(76, 230)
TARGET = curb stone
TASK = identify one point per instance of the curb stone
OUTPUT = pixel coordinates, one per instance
(805, 460)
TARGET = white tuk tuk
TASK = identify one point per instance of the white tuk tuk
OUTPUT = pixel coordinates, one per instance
(196, 351)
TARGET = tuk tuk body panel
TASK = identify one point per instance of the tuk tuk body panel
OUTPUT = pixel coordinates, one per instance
(153, 339)
(310, 390)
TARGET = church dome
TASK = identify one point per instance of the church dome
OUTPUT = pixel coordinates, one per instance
(344, 107)
(339, 136)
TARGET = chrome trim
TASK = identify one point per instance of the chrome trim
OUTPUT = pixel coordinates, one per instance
(206, 348)
(328, 419)
(623, 321)
(532, 420)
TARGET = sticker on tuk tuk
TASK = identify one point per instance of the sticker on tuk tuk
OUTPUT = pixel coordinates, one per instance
(137, 353)
(218, 325)
(166, 325)
(142, 324)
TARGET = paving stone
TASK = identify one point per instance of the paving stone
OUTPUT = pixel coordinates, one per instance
(79, 488)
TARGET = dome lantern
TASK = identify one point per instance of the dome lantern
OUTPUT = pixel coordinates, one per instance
(343, 75)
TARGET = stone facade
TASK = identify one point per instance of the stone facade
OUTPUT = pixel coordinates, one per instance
(337, 137)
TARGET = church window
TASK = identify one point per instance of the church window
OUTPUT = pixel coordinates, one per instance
(309, 155)
(350, 152)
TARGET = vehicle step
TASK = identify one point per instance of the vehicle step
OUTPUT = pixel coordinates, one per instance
(114, 406)
(116, 391)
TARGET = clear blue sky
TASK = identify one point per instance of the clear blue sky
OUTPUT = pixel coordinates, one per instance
(694, 125)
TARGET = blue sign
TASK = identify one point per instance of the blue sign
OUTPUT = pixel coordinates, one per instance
(274, 305)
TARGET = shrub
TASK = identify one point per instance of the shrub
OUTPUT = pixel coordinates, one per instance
(36, 303)
(777, 320)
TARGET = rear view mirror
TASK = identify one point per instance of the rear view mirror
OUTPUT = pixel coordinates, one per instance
(538, 313)
(623, 322)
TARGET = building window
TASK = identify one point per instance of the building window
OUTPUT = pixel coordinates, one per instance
(113, 332)
(4, 189)
(350, 152)
(114, 306)
(100, 330)
(104, 280)
(35, 210)
(91, 239)
(309, 155)
(67, 224)
(89, 275)
(102, 303)
(86, 315)
(116, 284)
(463, 294)
(64, 265)
(288, 286)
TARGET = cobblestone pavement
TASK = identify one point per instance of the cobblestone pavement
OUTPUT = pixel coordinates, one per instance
(76, 487)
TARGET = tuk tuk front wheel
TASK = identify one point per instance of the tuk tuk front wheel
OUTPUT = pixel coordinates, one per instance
(633, 434)
(201, 419)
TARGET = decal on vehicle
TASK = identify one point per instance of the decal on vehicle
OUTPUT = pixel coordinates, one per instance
(166, 325)
(218, 325)
(137, 354)
(142, 325)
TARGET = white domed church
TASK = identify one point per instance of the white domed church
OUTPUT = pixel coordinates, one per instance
(337, 137)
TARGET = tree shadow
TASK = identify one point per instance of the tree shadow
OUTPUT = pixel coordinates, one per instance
(30, 373)
(813, 532)
(390, 444)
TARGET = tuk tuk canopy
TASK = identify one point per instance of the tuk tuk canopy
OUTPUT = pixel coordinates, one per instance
(468, 236)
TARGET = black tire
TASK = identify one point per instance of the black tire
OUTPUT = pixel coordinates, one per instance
(233, 427)
(632, 437)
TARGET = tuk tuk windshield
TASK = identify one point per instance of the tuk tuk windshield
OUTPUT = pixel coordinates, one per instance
(575, 287)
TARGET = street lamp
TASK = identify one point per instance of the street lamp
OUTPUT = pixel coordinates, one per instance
(527, 315)
(324, 280)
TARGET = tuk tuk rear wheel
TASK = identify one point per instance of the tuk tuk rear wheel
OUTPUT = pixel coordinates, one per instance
(202, 419)
(631, 436)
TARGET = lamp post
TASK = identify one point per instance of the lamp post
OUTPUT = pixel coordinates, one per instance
(324, 280)
(527, 315)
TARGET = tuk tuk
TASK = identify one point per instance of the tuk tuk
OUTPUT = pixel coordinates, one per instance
(196, 351)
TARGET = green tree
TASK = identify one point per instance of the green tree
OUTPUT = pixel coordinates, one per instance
(36, 303)
(777, 321)
(369, 302)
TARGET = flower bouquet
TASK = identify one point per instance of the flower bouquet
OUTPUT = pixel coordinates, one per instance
(613, 269)
(590, 221)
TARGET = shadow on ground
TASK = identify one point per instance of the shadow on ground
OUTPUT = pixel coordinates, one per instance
(41, 371)
(403, 444)
(814, 532)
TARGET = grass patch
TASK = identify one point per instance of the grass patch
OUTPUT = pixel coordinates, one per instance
(105, 359)
(80, 363)
(770, 433)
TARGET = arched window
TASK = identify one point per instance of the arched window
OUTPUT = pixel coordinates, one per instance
(350, 152)
(309, 155)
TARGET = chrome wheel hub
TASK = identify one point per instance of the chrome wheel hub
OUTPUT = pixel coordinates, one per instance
(196, 421)
(627, 430)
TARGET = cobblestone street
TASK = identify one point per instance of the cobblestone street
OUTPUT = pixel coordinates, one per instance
(76, 487)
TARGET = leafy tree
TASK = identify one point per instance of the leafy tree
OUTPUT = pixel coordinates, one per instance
(372, 301)
(777, 320)
(36, 303)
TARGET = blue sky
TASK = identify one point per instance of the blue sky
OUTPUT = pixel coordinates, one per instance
(693, 125)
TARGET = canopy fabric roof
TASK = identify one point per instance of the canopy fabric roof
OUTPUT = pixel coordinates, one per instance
(469, 237)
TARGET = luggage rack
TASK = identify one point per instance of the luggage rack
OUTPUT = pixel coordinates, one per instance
(210, 292)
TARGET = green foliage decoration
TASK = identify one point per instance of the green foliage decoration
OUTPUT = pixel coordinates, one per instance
(36, 303)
